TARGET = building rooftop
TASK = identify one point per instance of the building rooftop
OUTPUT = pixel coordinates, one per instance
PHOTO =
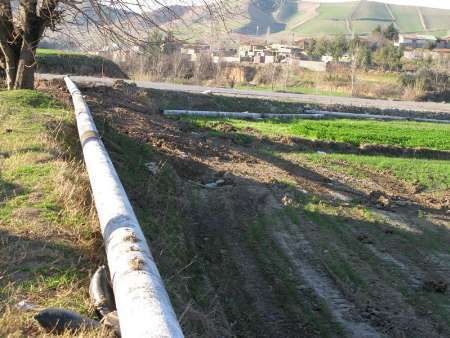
(418, 37)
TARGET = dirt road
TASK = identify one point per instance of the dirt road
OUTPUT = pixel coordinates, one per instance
(331, 101)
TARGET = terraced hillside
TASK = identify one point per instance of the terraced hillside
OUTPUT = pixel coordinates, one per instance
(298, 17)
(361, 17)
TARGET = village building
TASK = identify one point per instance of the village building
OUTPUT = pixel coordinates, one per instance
(192, 52)
(416, 41)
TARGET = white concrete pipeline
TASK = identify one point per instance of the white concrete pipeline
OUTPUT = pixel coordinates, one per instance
(244, 115)
(143, 306)
(293, 116)
(236, 115)
(309, 114)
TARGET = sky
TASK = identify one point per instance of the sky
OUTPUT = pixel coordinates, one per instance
(424, 3)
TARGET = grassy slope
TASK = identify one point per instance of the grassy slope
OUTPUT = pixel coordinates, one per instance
(406, 18)
(372, 11)
(367, 26)
(332, 16)
(331, 20)
(357, 132)
(46, 231)
(286, 11)
(340, 11)
(432, 174)
(296, 89)
(66, 62)
(436, 19)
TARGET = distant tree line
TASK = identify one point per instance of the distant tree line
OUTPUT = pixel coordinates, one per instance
(377, 50)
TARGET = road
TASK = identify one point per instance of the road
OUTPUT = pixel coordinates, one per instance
(428, 107)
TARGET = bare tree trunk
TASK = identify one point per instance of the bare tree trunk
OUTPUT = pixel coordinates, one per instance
(8, 43)
(34, 27)
(25, 69)
(18, 42)
(11, 61)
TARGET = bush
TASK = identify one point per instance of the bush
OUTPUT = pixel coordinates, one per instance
(268, 74)
(388, 57)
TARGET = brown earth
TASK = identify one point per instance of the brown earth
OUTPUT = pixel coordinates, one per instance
(284, 248)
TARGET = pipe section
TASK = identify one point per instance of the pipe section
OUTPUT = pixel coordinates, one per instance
(234, 115)
(201, 113)
(143, 306)
(309, 114)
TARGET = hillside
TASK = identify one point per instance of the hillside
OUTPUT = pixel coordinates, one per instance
(282, 19)
(287, 18)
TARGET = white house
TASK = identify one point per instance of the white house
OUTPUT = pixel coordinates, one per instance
(415, 41)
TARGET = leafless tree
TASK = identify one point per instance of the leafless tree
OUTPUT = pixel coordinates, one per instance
(24, 22)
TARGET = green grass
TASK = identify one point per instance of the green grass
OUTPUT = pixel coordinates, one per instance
(367, 26)
(317, 27)
(46, 51)
(339, 11)
(45, 227)
(331, 19)
(436, 19)
(432, 174)
(406, 18)
(278, 271)
(356, 132)
(296, 90)
(377, 77)
(374, 11)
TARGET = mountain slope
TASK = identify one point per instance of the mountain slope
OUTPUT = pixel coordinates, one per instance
(284, 17)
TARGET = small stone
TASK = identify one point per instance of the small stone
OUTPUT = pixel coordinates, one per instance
(25, 305)
(152, 167)
(287, 200)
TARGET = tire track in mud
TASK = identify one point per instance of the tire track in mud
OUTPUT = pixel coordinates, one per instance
(424, 264)
(414, 278)
(220, 215)
(299, 252)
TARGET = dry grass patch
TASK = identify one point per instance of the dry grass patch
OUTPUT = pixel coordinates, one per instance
(48, 232)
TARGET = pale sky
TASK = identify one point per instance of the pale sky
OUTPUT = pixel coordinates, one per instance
(423, 3)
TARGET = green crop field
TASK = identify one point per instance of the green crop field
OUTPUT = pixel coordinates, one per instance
(322, 27)
(356, 132)
(339, 11)
(372, 11)
(436, 18)
(331, 18)
(432, 174)
(367, 26)
(406, 18)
